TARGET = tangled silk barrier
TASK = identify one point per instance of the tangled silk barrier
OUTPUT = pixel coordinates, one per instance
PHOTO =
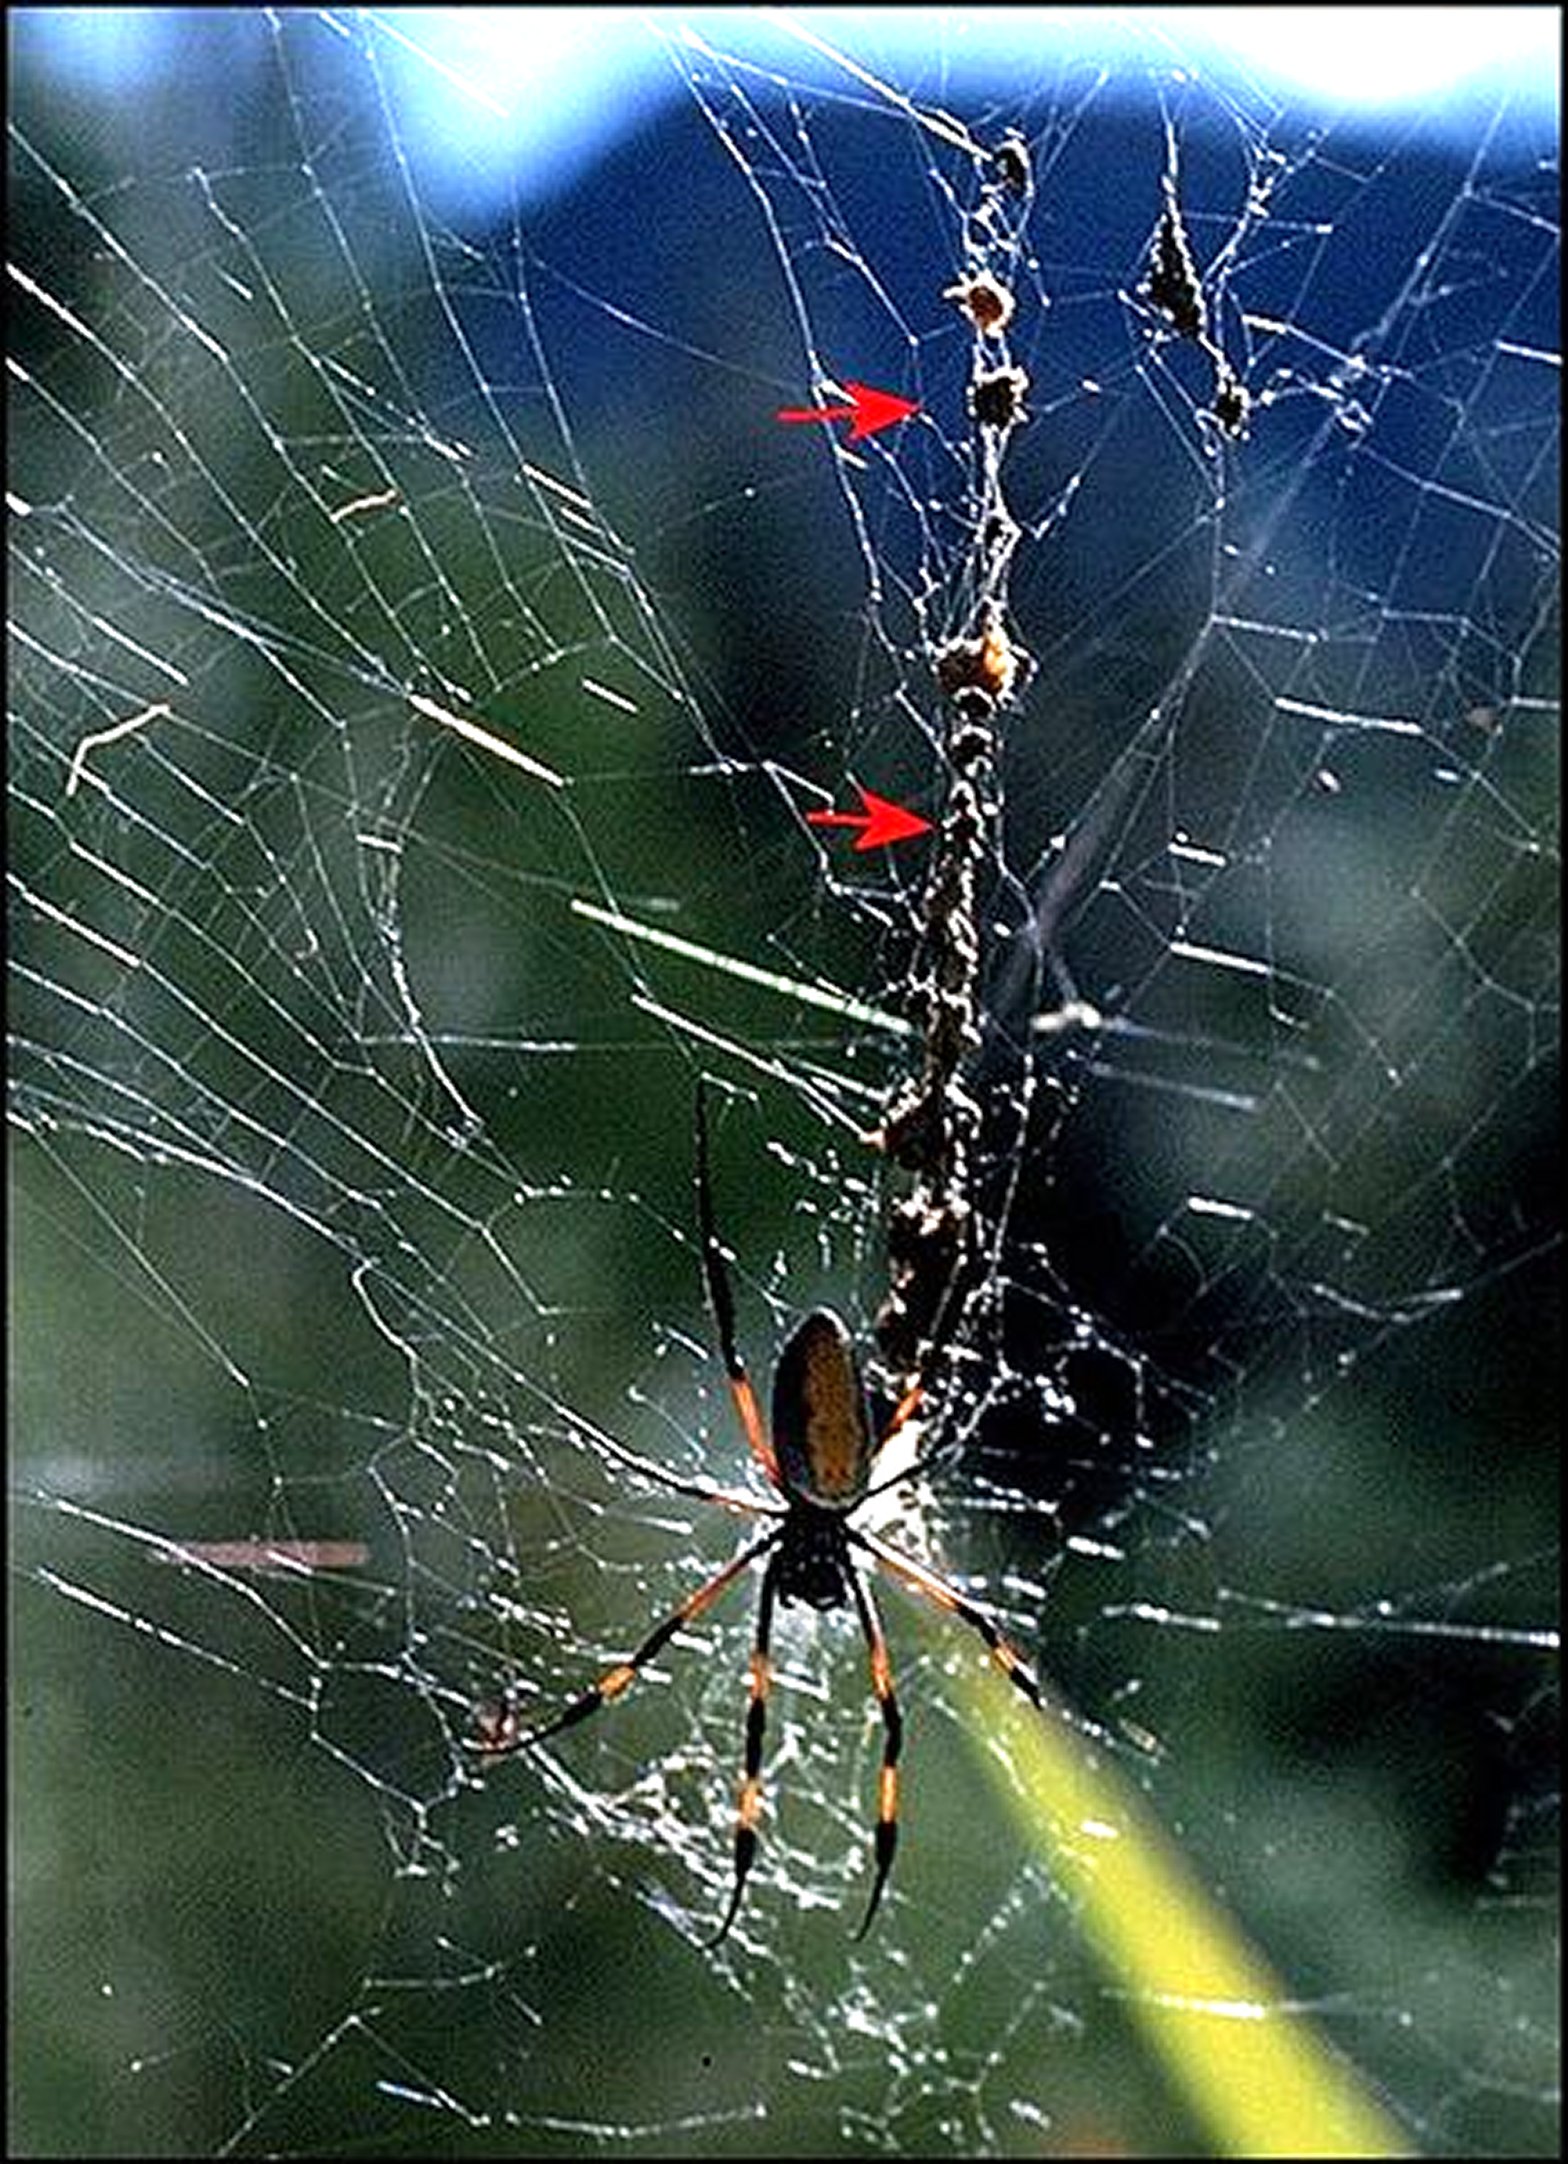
(441, 689)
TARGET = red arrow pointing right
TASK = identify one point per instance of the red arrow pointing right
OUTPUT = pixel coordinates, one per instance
(868, 411)
(880, 822)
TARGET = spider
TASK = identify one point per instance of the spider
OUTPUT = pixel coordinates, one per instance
(818, 1453)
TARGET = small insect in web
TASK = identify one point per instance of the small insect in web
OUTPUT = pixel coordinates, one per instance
(1012, 163)
(984, 300)
(996, 397)
(819, 1453)
(1172, 285)
(984, 667)
(1172, 282)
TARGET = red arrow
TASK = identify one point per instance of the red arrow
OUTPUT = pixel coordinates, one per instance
(869, 410)
(882, 822)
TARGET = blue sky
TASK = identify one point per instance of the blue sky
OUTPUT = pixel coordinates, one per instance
(514, 101)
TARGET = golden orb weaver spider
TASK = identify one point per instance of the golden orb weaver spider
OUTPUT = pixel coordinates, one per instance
(818, 1453)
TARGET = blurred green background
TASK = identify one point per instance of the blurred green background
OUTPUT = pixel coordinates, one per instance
(343, 1161)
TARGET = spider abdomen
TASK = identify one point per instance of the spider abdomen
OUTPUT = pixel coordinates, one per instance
(821, 1433)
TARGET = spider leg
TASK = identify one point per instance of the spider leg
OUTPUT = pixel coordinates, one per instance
(908, 1405)
(756, 1726)
(499, 1737)
(942, 1595)
(722, 1300)
(660, 1476)
(886, 1836)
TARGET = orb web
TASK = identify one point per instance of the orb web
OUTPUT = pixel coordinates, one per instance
(426, 648)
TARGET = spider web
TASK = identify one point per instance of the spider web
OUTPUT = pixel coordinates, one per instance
(425, 646)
